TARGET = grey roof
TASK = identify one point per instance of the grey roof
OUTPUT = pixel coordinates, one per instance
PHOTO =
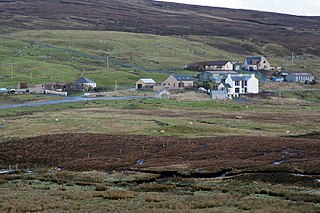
(148, 80)
(253, 58)
(216, 63)
(221, 72)
(301, 74)
(218, 92)
(226, 85)
(163, 92)
(84, 80)
(180, 77)
(239, 77)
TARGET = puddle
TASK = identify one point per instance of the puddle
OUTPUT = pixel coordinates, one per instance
(278, 162)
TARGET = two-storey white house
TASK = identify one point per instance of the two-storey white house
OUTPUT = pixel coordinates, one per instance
(236, 85)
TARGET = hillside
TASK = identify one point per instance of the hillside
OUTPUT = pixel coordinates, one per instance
(145, 16)
(60, 41)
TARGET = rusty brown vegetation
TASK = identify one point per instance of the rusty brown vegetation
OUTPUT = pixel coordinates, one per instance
(162, 18)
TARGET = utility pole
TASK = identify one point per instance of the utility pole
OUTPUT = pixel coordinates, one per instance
(292, 58)
(279, 93)
(188, 48)
(30, 75)
(115, 88)
(11, 71)
(107, 62)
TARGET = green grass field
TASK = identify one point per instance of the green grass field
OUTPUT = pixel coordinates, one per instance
(63, 56)
(26, 58)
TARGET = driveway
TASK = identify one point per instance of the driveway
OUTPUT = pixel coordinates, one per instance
(69, 100)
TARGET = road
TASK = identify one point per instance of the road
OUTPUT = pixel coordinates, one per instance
(69, 100)
(263, 78)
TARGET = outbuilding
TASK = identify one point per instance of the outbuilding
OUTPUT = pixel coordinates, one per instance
(219, 95)
(163, 94)
(145, 83)
(300, 77)
(86, 83)
(3, 90)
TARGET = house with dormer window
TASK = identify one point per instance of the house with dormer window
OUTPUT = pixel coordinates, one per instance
(254, 63)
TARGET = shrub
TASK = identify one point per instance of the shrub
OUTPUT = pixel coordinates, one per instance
(101, 187)
(156, 187)
(119, 194)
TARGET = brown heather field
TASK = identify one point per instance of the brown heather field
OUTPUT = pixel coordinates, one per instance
(162, 156)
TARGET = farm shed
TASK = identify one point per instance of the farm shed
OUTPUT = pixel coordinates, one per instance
(299, 77)
(86, 83)
(219, 94)
(163, 94)
(145, 83)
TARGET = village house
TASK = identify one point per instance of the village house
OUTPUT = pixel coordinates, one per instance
(210, 65)
(145, 83)
(218, 65)
(241, 84)
(256, 63)
(300, 77)
(215, 76)
(42, 88)
(86, 83)
(175, 82)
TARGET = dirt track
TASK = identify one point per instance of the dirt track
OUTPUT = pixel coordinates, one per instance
(108, 152)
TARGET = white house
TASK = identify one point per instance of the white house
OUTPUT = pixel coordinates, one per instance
(145, 82)
(86, 83)
(300, 77)
(218, 65)
(256, 63)
(241, 84)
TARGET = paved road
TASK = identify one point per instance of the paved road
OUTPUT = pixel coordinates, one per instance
(263, 78)
(69, 100)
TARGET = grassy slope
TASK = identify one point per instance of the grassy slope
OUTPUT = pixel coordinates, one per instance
(27, 50)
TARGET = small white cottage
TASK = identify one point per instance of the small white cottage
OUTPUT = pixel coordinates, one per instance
(163, 94)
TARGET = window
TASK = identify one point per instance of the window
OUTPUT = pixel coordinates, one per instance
(237, 90)
(246, 90)
(245, 83)
(237, 83)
